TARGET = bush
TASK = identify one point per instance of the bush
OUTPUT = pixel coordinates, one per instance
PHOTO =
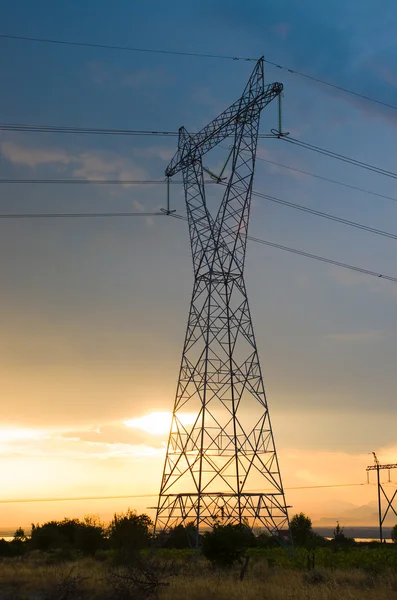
(86, 536)
(340, 539)
(180, 537)
(265, 540)
(301, 530)
(5, 548)
(129, 533)
(393, 534)
(90, 536)
(45, 537)
(227, 544)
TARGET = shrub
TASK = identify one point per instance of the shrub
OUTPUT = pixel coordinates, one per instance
(301, 529)
(180, 537)
(227, 544)
(129, 533)
(394, 534)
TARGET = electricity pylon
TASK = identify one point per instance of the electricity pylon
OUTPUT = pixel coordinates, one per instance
(383, 493)
(215, 465)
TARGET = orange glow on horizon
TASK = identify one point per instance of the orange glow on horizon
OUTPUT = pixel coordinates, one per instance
(159, 423)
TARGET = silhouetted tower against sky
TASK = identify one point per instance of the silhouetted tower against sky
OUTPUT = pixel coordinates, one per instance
(223, 466)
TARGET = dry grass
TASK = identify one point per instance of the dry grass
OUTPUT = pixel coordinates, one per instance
(33, 580)
(284, 585)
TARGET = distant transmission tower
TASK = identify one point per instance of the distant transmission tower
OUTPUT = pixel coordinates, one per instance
(215, 465)
(383, 493)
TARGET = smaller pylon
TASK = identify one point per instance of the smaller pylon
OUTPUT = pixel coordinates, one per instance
(383, 511)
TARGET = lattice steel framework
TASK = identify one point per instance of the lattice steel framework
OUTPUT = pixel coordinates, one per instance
(382, 493)
(215, 464)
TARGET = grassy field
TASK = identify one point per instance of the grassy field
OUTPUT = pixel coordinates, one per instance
(35, 579)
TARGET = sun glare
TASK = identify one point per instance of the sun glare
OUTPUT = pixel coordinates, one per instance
(159, 423)
(18, 434)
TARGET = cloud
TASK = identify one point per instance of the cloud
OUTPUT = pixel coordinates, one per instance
(109, 442)
(140, 208)
(110, 433)
(33, 157)
(163, 152)
(85, 165)
(16, 434)
(102, 165)
(357, 336)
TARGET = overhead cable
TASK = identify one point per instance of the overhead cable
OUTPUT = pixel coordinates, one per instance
(316, 176)
(323, 259)
(29, 128)
(274, 199)
(79, 215)
(26, 38)
(197, 55)
(35, 128)
(323, 215)
(331, 85)
(178, 216)
(341, 157)
(311, 256)
(99, 181)
(127, 496)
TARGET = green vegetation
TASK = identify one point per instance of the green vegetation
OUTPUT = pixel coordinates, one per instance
(301, 529)
(88, 559)
(394, 534)
(227, 544)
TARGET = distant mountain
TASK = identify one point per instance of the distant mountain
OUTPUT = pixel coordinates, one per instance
(366, 515)
(367, 533)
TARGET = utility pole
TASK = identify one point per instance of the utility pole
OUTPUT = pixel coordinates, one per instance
(213, 467)
(382, 516)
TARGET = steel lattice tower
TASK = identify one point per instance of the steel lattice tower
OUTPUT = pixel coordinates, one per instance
(214, 467)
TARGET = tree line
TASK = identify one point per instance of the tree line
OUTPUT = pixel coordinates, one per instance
(128, 534)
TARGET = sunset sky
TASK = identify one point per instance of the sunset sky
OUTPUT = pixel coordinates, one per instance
(93, 311)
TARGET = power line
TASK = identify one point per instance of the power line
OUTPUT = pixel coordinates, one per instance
(324, 259)
(28, 128)
(145, 214)
(316, 176)
(77, 498)
(80, 215)
(197, 55)
(332, 85)
(99, 181)
(128, 48)
(323, 215)
(177, 216)
(32, 128)
(312, 256)
(341, 157)
(127, 496)
(86, 181)
(163, 182)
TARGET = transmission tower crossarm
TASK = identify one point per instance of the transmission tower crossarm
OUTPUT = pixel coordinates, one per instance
(193, 147)
(388, 467)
